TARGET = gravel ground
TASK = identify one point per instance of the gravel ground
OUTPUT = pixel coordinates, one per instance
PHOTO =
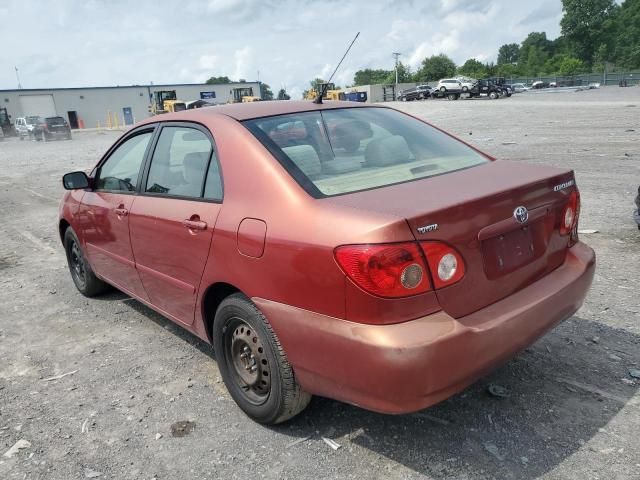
(573, 410)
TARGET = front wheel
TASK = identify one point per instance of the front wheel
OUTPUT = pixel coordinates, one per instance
(253, 364)
(83, 277)
(493, 95)
(443, 89)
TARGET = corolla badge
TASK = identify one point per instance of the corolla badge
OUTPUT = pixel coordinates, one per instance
(521, 214)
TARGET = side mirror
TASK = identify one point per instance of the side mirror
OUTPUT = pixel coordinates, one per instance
(75, 181)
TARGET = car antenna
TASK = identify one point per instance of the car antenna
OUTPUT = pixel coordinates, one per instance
(318, 99)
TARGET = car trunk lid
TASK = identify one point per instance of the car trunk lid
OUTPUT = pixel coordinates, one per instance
(473, 211)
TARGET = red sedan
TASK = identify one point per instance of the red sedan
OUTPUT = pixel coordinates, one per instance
(343, 250)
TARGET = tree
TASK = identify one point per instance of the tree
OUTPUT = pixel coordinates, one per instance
(371, 77)
(267, 94)
(283, 95)
(217, 80)
(404, 74)
(587, 24)
(473, 68)
(627, 26)
(508, 53)
(534, 51)
(570, 66)
(435, 68)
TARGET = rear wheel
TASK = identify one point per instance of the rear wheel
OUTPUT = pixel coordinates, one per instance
(253, 364)
(493, 95)
(81, 274)
(453, 96)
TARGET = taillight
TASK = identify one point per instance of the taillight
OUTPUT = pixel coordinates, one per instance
(387, 270)
(569, 219)
(398, 269)
(445, 263)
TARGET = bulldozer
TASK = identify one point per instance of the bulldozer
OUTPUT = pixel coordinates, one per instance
(330, 92)
(165, 101)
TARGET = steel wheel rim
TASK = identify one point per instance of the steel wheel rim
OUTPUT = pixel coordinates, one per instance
(248, 361)
(77, 265)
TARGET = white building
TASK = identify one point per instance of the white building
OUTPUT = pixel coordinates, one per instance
(93, 106)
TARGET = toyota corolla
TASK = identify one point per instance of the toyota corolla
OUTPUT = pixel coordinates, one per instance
(344, 250)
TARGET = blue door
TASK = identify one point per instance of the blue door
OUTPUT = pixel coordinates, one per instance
(128, 115)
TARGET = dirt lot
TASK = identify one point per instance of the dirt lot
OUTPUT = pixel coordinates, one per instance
(573, 410)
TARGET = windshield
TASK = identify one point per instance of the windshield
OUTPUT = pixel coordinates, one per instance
(34, 120)
(347, 150)
(55, 121)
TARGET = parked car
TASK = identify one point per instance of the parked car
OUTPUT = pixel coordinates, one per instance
(365, 275)
(25, 125)
(420, 92)
(449, 85)
(486, 88)
(539, 85)
(519, 87)
(636, 214)
(51, 128)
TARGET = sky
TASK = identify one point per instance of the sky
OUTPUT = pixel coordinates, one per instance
(285, 43)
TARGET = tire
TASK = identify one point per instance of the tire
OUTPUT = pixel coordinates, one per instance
(83, 277)
(403, 99)
(493, 95)
(465, 89)
(453, 96)
(269, 394)
(443, 89)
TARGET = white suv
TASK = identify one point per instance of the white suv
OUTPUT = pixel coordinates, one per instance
(25, 125)
(449, 85)
(460, 84)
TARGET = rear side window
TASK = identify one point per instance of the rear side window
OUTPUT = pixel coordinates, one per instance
(340, 151)
(181, 164)
(121, 170)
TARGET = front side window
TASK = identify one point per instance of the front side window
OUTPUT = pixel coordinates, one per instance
(351, 149)
(180, 165)
(121, 170)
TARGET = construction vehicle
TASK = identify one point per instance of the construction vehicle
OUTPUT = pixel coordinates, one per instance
(239, 94)
(8, 129)
(330, 92)
(165, 101)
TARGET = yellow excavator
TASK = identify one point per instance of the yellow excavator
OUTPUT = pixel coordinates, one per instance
(330, 92)
(165, 101)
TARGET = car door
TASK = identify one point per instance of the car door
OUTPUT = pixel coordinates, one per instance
(104, 212)
(173, 218)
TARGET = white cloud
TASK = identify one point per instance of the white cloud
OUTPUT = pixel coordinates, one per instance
(122, 42)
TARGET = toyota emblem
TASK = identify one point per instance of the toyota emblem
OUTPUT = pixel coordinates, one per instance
(521, 214)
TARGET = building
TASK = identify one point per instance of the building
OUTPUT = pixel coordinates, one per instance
(105, 106)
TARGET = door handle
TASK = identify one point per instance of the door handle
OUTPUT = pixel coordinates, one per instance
(194, 224)
(122, 212)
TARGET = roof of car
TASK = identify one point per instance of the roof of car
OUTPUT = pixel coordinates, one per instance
(249, 110)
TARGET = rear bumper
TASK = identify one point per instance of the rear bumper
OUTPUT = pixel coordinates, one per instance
(409, 366)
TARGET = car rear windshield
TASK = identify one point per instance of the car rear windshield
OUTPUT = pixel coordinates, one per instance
(55, 121)
(340, 151)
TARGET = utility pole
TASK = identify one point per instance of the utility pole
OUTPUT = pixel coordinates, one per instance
(395, 56)
(18, 78)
